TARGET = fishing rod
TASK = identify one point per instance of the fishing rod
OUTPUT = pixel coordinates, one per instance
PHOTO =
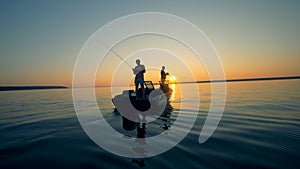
(111, 49)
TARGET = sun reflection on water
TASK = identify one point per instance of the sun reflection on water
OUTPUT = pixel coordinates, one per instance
(173, 92)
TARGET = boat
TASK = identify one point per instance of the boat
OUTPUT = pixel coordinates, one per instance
(134, 107)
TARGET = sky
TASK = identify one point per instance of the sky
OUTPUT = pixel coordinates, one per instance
(41, 40)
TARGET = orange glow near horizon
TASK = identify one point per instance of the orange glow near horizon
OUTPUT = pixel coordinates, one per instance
(182, 64)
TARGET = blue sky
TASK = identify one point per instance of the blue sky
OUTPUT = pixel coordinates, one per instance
(40, 40)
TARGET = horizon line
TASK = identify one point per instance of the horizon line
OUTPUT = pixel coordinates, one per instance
(35, 87)
(226, 80)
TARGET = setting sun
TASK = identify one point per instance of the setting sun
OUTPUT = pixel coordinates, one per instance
(172, 79)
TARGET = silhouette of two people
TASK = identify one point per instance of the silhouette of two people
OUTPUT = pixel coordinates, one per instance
(139, 71)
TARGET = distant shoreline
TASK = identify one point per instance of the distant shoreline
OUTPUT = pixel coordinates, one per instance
(247, 79)
(10, 88)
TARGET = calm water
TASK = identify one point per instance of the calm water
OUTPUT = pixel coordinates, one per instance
(260, 128)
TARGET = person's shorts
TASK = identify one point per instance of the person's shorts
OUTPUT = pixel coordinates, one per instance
(139, 81)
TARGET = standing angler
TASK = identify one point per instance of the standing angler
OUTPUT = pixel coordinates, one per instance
(139, 71)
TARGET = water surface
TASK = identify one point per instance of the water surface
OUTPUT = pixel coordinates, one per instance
(260, 128)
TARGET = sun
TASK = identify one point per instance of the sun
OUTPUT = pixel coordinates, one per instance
(173, 79)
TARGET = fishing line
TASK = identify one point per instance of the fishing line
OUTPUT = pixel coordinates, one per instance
(111, 49)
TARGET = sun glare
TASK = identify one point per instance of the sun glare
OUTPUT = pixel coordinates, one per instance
(172, 79)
